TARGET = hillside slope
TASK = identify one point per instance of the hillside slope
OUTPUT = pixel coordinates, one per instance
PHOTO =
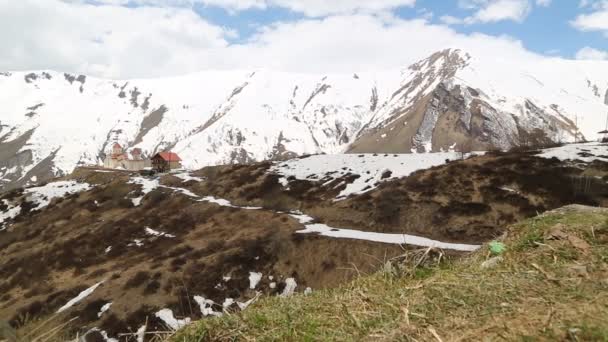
(117, 250)
(52, 122)
(548, 286)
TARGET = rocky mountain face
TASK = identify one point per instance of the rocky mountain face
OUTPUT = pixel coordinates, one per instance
(52, 122)
(452, 100)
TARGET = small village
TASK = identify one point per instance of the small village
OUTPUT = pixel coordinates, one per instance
(135, 160)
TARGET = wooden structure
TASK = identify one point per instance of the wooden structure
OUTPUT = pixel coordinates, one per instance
(166, 161)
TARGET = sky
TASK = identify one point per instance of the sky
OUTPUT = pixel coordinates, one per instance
(122, 39)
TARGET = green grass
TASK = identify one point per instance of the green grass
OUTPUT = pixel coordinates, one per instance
(544, 289)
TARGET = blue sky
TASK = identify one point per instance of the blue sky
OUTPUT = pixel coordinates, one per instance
(153, 38)
(545, 30)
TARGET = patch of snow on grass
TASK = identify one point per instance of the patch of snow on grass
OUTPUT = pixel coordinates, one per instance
(369, 167)
(186, 177)
(9, 214)
(136, 242)
(303, 219)
(153, 232)
(103, 334)
(226, 203)
(104, 308)
(290, 287)
(587, 152)
(228, 303)
(206, 306)
(43, 195)
(141, 333)
(80, 297)
(254, 279)
(166, 315)
(183, 191)
(399, 239)
(147, 186)
(504, 188)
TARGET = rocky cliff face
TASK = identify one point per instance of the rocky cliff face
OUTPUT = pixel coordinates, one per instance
(52, 122)
(442, 105)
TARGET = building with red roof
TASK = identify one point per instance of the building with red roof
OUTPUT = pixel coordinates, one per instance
(166, 161)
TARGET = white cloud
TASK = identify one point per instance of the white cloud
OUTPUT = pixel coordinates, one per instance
(543, 3)
(312, 8)
(593, 4)
(362, 42)
(516, 10)
(104, 40)
(120, 42)
(597, 20)
(451, 20)
(316, 8)
(589, 53)
(491, 11)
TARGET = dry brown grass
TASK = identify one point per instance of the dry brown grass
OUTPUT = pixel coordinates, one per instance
(550, 285)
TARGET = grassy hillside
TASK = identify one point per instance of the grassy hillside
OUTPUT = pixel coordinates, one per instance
(550, 284)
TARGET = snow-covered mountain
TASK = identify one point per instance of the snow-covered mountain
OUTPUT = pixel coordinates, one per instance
(51, 122)
(454, 99)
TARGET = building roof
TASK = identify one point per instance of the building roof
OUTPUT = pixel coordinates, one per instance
(168, 156)
(116, 145)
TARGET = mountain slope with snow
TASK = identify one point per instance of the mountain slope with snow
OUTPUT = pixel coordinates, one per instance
(52, 122)
(453, 99)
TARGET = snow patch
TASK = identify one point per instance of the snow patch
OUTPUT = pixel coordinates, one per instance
(147, 186)
(399, 239)
(206, 306)
(9, 214)
(369, 167)
(186, 177)
(166, 315)
(136, 243)
(141, 333)
(42, 196)
(290, 287)
(584, 152)
(228, 303)
(80, 297)
(153, 232)
(104, 308)
(254, 279)
(103, 334)
(226, 203)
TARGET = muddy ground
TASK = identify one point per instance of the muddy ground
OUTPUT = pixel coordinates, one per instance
(48, 257)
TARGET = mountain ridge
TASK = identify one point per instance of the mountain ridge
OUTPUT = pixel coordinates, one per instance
(57, 121)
